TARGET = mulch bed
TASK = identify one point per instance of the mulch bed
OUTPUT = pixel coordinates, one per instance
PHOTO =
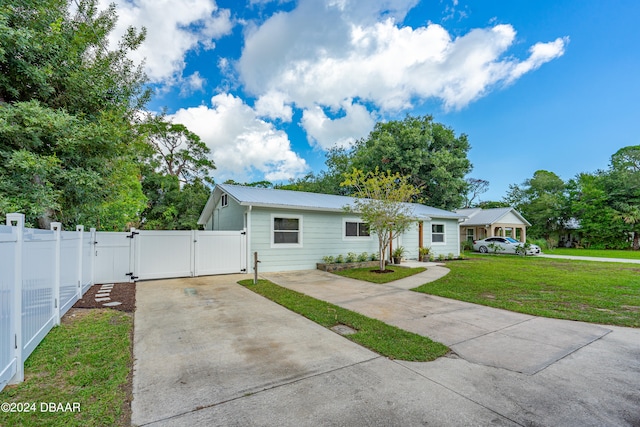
(121, 292)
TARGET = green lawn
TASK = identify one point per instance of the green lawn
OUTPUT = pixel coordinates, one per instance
(87, 361)
(598, 292)
(377, 336)
(601, 253)
(368, 275)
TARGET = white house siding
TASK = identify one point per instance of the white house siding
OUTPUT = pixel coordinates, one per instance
(230, 217)
(451, 243)
(409, 241)
(322, 234)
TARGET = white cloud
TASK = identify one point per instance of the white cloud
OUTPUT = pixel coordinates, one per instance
(193, 83)
(356, 123)
(326, 53)
(273, 105)
(174, 27)
(241, 143)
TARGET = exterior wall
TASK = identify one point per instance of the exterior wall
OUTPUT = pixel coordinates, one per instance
(322, 234)
(228, 218)
(451, 243)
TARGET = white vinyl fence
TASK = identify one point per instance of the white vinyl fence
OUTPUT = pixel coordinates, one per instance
(42, 274)
(162, 254)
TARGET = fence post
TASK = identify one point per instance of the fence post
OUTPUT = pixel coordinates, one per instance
(94, 242)
(56, 227)
(80, 230)
(16, 221)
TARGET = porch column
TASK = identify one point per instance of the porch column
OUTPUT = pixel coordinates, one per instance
(420, 234)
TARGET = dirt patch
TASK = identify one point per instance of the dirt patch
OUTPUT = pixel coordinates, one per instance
(124, 293)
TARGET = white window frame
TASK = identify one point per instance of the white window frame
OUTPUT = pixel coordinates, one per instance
(444, 233)
(224, 200)
(300, 231)
(473, 234)
(357, 221)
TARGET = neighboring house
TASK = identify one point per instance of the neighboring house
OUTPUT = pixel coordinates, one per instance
(481, 223)
(293, 230)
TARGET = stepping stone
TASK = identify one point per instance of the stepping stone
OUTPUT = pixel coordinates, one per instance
(102, 295)
(102, 299)
(112, 304)
(106, 286)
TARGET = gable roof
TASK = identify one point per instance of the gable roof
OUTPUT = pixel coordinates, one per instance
(482, 217)
(301, 200)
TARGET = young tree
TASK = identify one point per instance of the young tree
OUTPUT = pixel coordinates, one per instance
(381, 201)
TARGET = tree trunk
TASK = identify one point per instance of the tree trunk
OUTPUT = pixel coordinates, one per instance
(636, 241)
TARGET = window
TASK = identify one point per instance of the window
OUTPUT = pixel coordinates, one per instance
(286, 231)
(437, 233)
(470, 235)
(356, 229)
(224, 200)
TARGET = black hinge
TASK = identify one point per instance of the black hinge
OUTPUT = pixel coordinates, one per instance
(16, 341)
(132, 276)
(244, 270)
(243, 233)
(133, 233)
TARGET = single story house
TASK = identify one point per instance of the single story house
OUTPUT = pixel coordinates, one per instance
(482, 223)
(293, 230)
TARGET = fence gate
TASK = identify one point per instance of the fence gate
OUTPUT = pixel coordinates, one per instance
(150, 254)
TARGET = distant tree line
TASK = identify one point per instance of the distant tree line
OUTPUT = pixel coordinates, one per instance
(74, 146)
(605, 205)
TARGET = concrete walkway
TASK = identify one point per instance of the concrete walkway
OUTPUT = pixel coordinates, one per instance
(209, 352)
(479, 334)
(589, 258)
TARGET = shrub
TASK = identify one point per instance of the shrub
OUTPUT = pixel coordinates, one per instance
(339, 259)
(450, 256)
(467, 246)
(363, 257)
(374, 256)
(328, 259)
(351, 257)
(440, 257)
(552, 243)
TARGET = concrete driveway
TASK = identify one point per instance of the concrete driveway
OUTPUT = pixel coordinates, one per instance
(210, 352)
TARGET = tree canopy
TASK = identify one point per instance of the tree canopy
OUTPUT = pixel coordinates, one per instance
(72, 147)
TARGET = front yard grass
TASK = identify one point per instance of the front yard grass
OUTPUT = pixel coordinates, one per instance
(373, 334)
(600, 253)
(368, 275)
(86, 360)
(596, 292)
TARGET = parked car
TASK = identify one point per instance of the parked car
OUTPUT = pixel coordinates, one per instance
(508, 245)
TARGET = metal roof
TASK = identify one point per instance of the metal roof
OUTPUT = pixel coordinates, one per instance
(478, 216)
(287, 199)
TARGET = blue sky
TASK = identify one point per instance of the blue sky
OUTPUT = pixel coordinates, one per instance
(270, 85)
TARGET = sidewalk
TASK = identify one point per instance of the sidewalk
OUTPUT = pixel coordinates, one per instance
(479, 334)
(588, 258)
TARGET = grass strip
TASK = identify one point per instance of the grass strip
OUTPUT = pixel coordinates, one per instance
(599, 253)
(368, 275)
(373, 334)
(588, 291)
(85, 360)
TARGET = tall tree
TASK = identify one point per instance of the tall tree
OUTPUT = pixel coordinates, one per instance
(428, 153)
(543, 201)
(381, 203)
(177, 151)
(474, 188)
(66, 105)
